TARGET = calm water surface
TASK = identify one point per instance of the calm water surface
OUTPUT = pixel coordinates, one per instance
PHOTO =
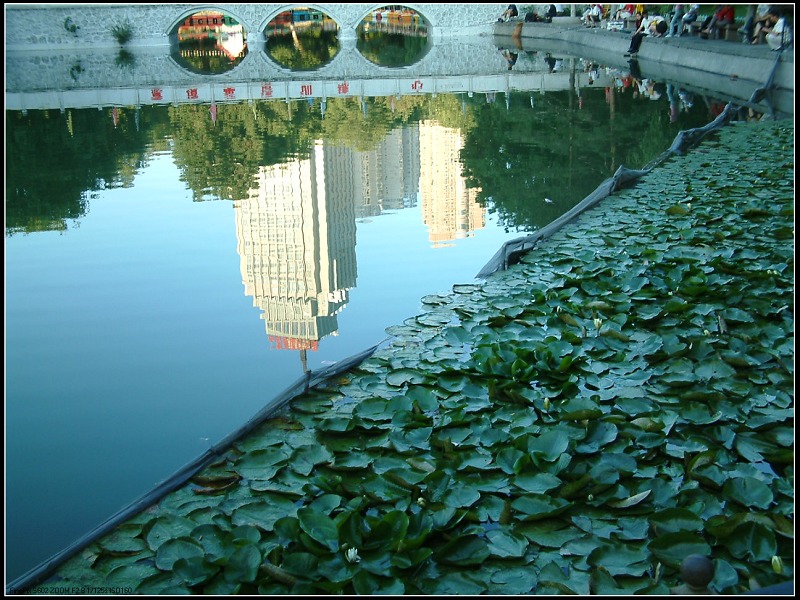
(170, 269)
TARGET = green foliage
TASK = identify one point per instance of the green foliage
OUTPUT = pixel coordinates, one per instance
(70, 26)
(123, 33)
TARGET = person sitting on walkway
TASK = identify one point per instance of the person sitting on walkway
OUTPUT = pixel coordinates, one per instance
(757, 24)
(593, 15)
(776, 31)
(690, 17)
(508, 13)
(676, 23)
(724, 15)
(643, 30)
(625, 11)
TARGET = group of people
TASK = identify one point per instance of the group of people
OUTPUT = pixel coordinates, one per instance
(766, 21)
(769, 22)
(545, 15)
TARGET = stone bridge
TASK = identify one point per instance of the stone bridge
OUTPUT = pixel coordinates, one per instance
(59, 26)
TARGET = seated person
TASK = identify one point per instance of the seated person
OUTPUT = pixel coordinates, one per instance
(776, 32)
(508, 13)
(690, 16)
(724, 15)
(657, 26)
(592, 15)
(625, 11)
(757, 24)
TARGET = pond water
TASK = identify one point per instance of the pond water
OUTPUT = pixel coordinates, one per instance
(170, 269)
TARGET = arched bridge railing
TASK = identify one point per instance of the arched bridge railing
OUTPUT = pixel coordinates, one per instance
(69, 26)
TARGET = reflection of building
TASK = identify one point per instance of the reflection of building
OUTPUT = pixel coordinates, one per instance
(385, 178)
(216, 32)
(391, 19)
(449, 208)
(296, 243)
(299, 19)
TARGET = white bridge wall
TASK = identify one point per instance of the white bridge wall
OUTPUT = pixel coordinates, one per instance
(45, 26)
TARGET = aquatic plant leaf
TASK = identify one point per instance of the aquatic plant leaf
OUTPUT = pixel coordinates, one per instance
(454, 584)
(123, 540)
(549, 445)
(506, 544)
(194, 570)
(538, 483)
(598, 434)
(321, 528)
(264, 511)
(620, 559)
(402, 377)
(174, 549)
(714, 369)
(672, 520)
(305, 458)
(130, 575)
(463, 550)
(365, 583)
(531, 507)
(753, 542)
(461, 495)
(511, 580)
(631, 501)
(165, 528)
(389, 532)
(261, 464)
(748, 491)
(243, 564)
(672, 548)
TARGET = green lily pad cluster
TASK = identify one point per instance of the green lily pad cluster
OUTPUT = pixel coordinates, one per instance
(578, 424)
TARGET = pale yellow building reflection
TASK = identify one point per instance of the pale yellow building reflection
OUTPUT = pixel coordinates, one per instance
(449, 208)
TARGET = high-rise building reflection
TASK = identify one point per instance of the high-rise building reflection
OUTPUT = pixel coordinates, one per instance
(450, 209)
(296, 244)
(296, 230)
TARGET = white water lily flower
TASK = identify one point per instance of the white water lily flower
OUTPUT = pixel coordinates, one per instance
(598, 323)
(351, 555)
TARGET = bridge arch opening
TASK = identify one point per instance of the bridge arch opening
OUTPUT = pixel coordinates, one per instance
(393, 35)
(209, 41)
(302, 38)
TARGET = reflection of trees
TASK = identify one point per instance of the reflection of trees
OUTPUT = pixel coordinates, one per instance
(205, 57)
(522, 156)
(518, 156)
(52, 160)
(220, 161)
(391, 49)
(305, 50)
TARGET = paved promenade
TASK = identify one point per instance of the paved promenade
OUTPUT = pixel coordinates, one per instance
(732, 59)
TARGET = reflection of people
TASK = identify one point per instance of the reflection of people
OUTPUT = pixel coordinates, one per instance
(674, 102)
(551, 62)
(511, 58)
